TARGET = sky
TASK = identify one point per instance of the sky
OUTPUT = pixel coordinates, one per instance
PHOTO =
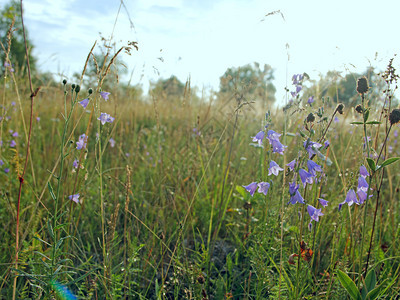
(202, 38)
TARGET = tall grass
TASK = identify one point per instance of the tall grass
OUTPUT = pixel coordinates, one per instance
(163, 214)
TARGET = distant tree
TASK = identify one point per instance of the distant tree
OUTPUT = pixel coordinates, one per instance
(343, 88)
(170, 89)
(250, 81)
(14, 38)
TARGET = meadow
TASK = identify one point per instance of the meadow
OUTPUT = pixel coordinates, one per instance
(109, 195)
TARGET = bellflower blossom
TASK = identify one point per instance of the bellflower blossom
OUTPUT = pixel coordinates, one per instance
(306, 177)
(259, 137)
(310, 146)
(112, 142)
(81, 143)
(104, 95)
(314, 212)
(295, 195)
(105, 118)
(363, 171)
(274, 168)
(292, 164)
(273, 138)
(351, 198)
(310, 100)
(74, 198)
(313, 167)
(13, 144)
(263, 187)
(323, 202)
(75, 164)
(84, 102)
(251, 188)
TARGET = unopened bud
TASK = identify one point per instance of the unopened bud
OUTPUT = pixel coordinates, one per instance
(310, 118)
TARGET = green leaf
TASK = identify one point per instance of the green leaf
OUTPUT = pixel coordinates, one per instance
(388, 162)
(371, 164)
(356, 123)
(370, 283)
(51, 232)
(349, 285)
(241, 190)
(375, 292)
(373, 123)
(51, 191)
(366, 115)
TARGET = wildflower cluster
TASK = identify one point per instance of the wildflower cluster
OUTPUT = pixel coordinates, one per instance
(362, 190)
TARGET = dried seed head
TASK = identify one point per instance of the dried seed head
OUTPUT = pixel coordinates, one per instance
(359, 109)
(339, 108)
(310, 118)
(247, 205)
(362, 85)
(394, 116)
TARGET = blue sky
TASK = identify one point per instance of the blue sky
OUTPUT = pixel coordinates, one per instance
(202, 38)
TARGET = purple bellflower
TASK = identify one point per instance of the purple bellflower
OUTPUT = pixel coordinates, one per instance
(292, 164)
(363, 171)
(323, 202)
(274, 168)
(351, 198)
(112, 142)
(81, 143)
(313, 167)
(295, 195)
(104, 95)
(306, 177)
(314, 213)
(310, 146)
(105, 118)
(251, 188)
(263, 187)
(310, 100)
(259, 137)
(84, 102)
(74, 198)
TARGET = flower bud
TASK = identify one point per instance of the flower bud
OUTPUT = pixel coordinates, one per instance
(64, 81)
(90, 91)
(77, 88)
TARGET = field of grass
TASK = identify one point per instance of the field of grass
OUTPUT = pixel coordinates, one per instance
(134, 198)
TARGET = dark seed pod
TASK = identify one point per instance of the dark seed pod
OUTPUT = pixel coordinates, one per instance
(339, 108)
(362, 85)
(394, 116)
(359, 109)
(310, 118)
(64, 81)
(77, 88)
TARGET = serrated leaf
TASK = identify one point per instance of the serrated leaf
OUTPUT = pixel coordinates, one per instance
(388, 162)
(371, 164)
(349, 285)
